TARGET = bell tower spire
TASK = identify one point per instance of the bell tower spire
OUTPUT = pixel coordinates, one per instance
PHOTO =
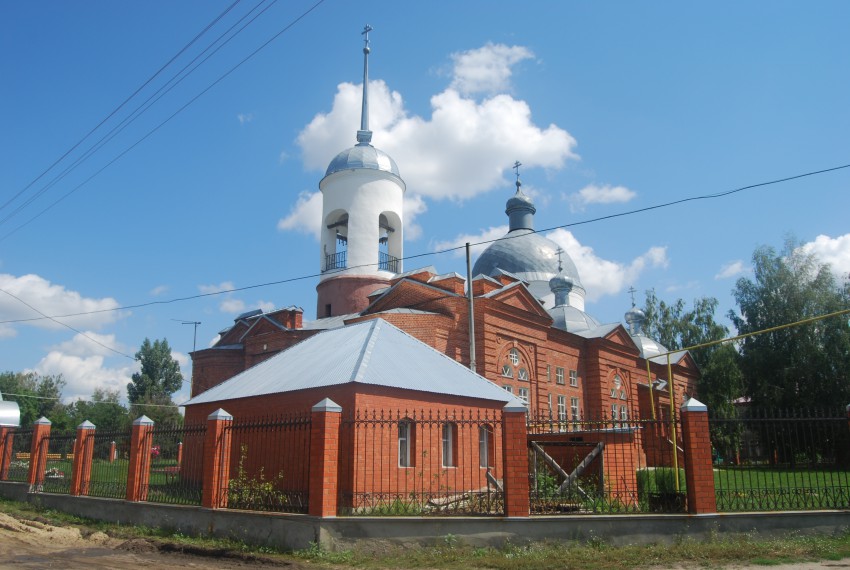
(364, 135)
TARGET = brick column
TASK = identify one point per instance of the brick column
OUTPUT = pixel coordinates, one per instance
(699, 472)
(38, 453)
(179, 454)
(216, 460)
(140, 459)
(324, 458)
(81, 467)
(5, 450)
(515, 460)
(112, 452)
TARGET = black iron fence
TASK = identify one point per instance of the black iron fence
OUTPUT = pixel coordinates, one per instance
(269, 464)
(16, 464)
(110, 464)
(421, 463)
(608, 466)
(791, 460)
(171, 479)
(59, 462)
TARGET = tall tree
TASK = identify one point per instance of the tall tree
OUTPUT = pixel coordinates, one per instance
(676, 327)
(799, 366)
(36, 395)
(104, 410)
(152, 387)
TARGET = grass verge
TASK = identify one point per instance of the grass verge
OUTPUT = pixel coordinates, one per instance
(451, 553)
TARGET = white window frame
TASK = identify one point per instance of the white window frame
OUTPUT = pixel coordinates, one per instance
(522, 374)
(449, 435)
(507, 371)
(574, 406)
(559, 375)
(484, 436)
(513, 356)
(508, 388)
(562, 408)
(573, 378)
(523, 394)
(405, 431)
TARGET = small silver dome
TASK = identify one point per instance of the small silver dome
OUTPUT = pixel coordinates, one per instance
(648, 347)
(363, 156)
(572, 319)
(635, 319)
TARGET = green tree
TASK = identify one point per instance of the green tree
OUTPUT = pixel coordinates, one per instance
(36, 395)
(104, 410)
(799, 366)
(151, 388)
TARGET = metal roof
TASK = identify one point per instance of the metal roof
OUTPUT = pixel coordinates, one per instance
(363, 156)
(10, 413)
(572, 319)
(373, 352)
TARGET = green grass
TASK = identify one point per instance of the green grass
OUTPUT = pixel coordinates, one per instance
(765, 488)
(450, 552)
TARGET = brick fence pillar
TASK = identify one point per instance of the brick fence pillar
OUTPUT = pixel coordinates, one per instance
(140, 459)
(38, 453)
(515, 460)
(179, 453)
(699, 472)
(216, 460)
(6, 439)
(323, 487)
(112, 452)
(81, 467)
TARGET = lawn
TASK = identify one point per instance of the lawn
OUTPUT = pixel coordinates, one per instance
(771, 489)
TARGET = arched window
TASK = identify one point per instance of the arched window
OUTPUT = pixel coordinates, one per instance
(513, 356)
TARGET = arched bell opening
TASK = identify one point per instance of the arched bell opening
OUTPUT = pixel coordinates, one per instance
(389, 242)
(335, 241)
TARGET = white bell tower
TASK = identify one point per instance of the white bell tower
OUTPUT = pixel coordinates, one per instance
(362, 220)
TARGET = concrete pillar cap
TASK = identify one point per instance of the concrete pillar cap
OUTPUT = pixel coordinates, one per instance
(143, 421)
(515, 406)
(327, 405)
(42, 421)
(86, 425)
(220, 414)
(694, 405)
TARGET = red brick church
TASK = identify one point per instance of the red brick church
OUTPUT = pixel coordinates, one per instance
(532, 337)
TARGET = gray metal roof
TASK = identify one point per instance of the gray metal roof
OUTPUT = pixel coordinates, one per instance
(648, 347)
(373, 352)
(572, 319)
(328, 322)
(10, 413)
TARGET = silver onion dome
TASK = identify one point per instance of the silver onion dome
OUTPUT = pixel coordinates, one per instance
(362, 156)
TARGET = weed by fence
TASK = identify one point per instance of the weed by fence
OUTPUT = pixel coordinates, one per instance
(793, 460)
(421, 463)
(269, 464)
(610, 466)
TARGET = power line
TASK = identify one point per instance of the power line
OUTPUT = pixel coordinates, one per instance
(68, 326)
(450, 249)
(143, 107)
(119, 107)
(168, 119)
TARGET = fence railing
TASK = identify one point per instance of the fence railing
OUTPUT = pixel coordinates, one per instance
(610, 466)
(16, 463)
(413, 463)
(172, 480)
(269, 464)
(110, 464)
(766, 461)
(59, 463)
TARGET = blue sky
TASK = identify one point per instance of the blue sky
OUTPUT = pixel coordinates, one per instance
(610, 106)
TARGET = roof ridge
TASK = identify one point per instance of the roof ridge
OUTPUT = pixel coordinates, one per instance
(362, 363)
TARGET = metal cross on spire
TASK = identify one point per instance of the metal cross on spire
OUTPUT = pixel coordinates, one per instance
(632, 292)
(516, 166)
(559, 251)
(364, 135)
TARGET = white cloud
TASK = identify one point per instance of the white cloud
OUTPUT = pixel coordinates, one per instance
(87, 345)
(482, 240)
(593, 194)
(487, 69)
(232, 306)
(82, 364)
(305, 216)
(159, 290)
(245, 118)
(51, 300)
(602, 277)
(732, 269)
(413, 206)
(464, 149)
(834, 251)
(221, 288)
(266, 306)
